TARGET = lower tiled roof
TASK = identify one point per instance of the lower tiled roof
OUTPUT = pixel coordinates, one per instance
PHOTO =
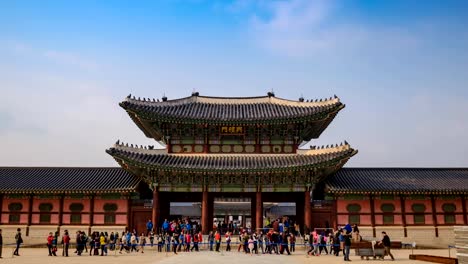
(66, 180)
(230, 162)
(399, 180)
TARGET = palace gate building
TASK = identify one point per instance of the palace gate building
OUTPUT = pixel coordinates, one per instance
(245, 149)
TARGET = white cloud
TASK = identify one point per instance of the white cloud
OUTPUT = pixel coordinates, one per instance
(301, 28)
(71, 59)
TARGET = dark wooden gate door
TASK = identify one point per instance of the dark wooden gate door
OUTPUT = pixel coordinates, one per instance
(139, 220)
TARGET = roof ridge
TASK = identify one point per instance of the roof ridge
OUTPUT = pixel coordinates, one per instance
(226, 100)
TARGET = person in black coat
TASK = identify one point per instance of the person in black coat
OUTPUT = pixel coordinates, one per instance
(387, 244)
(19, 241)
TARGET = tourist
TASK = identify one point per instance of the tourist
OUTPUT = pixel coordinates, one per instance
(266, 239)
(142, 242)
(217, 240)
(240, 240)
(123, 242)
(250, 242)
(175, 242)
(112, 241)
(91, 243)
(85, 239)
(149, 227)
(159, 239)
(1, 243)
(337, 242)
(323, 243)
(356, 236)
(228, 241)
(284, 243)
(260, 241)
(18, 240)
(311, 245)
(188, 241)
(54, 243)
(50, 238)
(200, 238)
(347, 245)
(97, 244)
(80, 243)
(211, 240)
(103, 243)
(151, 238)
(168, 241)
(330, 243)
(195, 243)
(387, 244)
(292, 242)
(133, 242)
(254, 236)
(165, 226)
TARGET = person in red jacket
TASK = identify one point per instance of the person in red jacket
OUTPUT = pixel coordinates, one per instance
(195, 242)
(217, 240)
(50, 238)
(66, 243)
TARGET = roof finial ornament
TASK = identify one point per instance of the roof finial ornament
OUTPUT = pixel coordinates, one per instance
(117, 142)
(126, 144)
(195, 93)
(164, 98)
(271, 93)
(335, 96)
(129, 96)
(346, 142)
(301, 99)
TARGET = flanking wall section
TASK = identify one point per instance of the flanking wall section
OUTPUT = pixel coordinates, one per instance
(37, 215)
(425, 219)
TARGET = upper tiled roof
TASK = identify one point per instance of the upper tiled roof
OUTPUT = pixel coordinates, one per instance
(157, 159)
(398, 180)
(65, 180)
(241, 110)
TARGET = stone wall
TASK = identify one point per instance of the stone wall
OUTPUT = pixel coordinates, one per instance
(461, 242)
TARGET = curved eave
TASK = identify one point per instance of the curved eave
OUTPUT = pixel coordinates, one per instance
(336, 162)
(149, 116)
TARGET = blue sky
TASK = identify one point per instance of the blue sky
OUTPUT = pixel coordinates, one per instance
(400, 67)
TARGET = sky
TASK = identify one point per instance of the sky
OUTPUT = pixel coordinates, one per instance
(401, 68)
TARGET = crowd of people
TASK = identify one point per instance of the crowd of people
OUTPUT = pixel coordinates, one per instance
(278, 237)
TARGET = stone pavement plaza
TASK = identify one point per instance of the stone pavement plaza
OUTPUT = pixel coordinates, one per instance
(36, 255)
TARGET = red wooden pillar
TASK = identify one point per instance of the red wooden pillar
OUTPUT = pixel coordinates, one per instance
(434, 216)
(258, 210)
(60, 212)
(403, 215)
(463, 200)
(129, 212)
(372, 209)
(155, 209)
(307, 211)
(30, 211)
(91, 213)
(1, 207)
(205, 213)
